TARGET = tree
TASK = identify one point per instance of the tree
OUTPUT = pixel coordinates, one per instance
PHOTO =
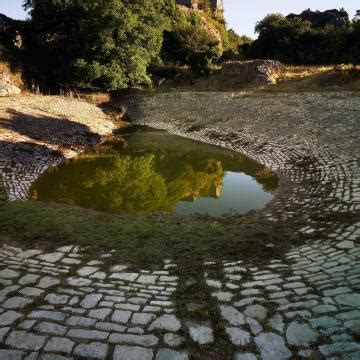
(279, 38)
(107, 44)
(308, 38)
(353, 41)
(191, 43)
(236, 46)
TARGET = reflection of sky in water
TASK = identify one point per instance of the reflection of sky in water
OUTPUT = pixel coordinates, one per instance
(240, 193)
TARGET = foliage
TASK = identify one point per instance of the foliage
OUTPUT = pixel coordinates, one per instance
(191, 43)
(353, 40)
(107, 44)
(235, 46)
(308, 38)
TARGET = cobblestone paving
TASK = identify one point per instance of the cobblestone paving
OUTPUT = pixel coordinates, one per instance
(59, 306)
(305, 304)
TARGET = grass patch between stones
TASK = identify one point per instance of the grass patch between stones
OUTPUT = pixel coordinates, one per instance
(143, 241)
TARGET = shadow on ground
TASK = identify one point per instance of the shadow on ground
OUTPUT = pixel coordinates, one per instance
(53, 130)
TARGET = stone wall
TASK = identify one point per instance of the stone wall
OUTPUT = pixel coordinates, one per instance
(253, 71)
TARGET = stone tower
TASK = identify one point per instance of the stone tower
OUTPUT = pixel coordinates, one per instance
(216, 5)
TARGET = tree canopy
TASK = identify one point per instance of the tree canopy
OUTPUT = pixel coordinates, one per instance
(105, 44)
(308, 38)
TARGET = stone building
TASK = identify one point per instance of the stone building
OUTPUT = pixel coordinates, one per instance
(216, 5)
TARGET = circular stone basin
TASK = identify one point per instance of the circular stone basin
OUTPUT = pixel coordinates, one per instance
(145, 171)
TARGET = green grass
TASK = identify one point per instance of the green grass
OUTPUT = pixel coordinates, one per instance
(142, 241)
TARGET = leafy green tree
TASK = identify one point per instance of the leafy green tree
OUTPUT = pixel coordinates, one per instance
(308, 38)
(191, 43)
(235, 46)
(279, 38)
(106, 44)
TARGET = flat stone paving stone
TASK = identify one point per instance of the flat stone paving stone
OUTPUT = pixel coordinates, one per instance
(214, 283)
(168, 354)
(11, 354)
(107, 326)
(28, 279)
(142, 318)
(277, 323)
(57, 299)
(94, 262)
(8, 274)
(324, 309)
(245, 356)
(223, 296)
(346, 244)
(3, 332)
(9, 317)
(47, 282)
(324, 322)
(81, 321)
(353, 326)
(233, 316)
(70, 261)
(16, 302)
(349, 299)
(99, 314)
(52, 257)
(339, 348)
(45, 314)
(202, 334)
(142, 340)
(300, 335)
(52, 357)
(124, 276)
(255, 327)
(147, 279)
(121, 316)
(29, 253)
(257, 312)
(51, 328)
(272, 346)
(65, 249)
(87, 270)
(87, 334)
(132, 353)
(27, 324)
(24, 340)
(118, 268)
(166, 322)
(237, 336)
(59, 344)
(135, 330)
(93, 350)
(31, 291)
(337, 291)
(78, 281)
(90, 301)
(98, 275)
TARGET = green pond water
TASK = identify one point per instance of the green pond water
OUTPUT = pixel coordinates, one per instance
(145, 171)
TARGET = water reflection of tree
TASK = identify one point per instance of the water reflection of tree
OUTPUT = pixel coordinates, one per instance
(132, 184)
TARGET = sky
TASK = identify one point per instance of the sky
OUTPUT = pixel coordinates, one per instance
(241, 15)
